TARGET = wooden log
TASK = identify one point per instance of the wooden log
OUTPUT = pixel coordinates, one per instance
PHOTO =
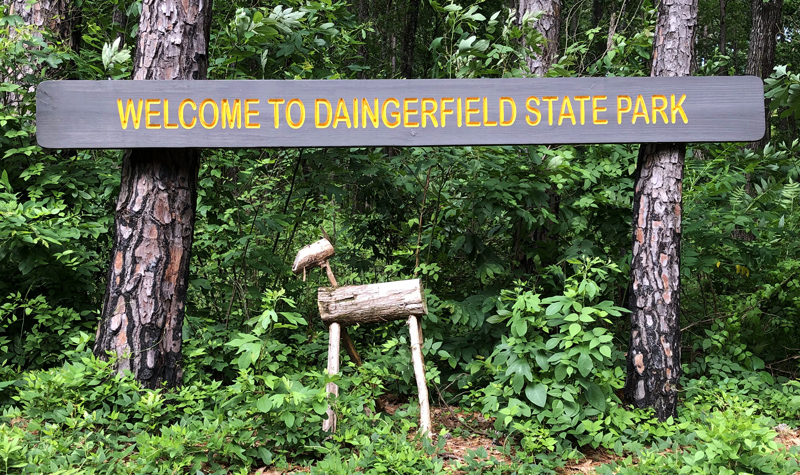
(329, 425)
(419, 375)
(313, 255)
(356, 304)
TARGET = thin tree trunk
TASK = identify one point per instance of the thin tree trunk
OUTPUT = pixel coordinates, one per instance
(723, 41)
(410, 39)
(654, 358)
(143, 309)
(761, 51)
(549, 25)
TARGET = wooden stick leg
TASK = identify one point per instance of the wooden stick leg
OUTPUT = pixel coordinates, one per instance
(350, 347)
(329, 425)
(419, 374)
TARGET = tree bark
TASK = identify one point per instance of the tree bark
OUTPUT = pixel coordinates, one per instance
(549, 25)
(58, 17)
(371, 303)
(410, 39)
(766, 17)
(143, 309)
(654, 358)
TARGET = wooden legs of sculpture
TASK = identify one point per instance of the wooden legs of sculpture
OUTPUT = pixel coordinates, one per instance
(360, 304)
(415, 333)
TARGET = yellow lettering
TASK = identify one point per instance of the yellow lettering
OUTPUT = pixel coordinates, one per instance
(395, 114)
(328, 113)
(373, 114)
(184, 103)
(659, 108)
(409, 112)
(640, 111)
(202, 113)
(130, 112)
(596, 109)
(459, 115)
(444, 110)
(503, 121)
(566, 104)
(549, 100)
(148, 113)
(167, 125)
(276, 111)
(355, 113)
(678, 109)
(231, 116)
(582, 100)
(341, 114)
(299, 123)
(469, 111)
(620, 109)
(486, 122)
(248, 113)
(533, 110)
(428, 112)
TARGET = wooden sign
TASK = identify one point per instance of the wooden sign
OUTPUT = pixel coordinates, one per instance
(347, 113)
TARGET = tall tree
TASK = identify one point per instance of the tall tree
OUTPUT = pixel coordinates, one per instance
(766, 16)
(143, 308)
(410, 39)
(59, 17)
(654, 358)
(549, 25)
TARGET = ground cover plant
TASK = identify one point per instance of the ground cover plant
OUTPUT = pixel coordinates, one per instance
(524, 253)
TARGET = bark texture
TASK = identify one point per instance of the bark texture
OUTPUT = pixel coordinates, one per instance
(143, 311)
(766, 17)
(654, 358)
(371, 303)
(549, 25)
(59, 17)
(313, 255)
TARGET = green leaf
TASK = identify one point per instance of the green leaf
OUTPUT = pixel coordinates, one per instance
(585, 365)
(320, 406)
(595, 397)
(264, 404)
(574, 329)
(605, 350)
(537, 394)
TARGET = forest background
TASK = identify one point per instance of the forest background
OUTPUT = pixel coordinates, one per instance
(524, 253)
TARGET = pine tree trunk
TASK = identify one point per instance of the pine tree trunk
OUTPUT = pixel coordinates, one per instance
(654, 358)
(59, 17)
(549, 25)
(143, 310)
(766, 17)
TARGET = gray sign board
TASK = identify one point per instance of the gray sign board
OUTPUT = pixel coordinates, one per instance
(347, 113)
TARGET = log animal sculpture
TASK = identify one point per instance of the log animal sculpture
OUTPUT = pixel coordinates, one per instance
(357, 304)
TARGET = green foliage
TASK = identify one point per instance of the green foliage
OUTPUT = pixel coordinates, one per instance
(556, 369)
(523, 252)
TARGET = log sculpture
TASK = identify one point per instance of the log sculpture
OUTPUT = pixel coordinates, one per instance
(358, 304)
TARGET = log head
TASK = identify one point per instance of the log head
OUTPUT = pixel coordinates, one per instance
(313, 255)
